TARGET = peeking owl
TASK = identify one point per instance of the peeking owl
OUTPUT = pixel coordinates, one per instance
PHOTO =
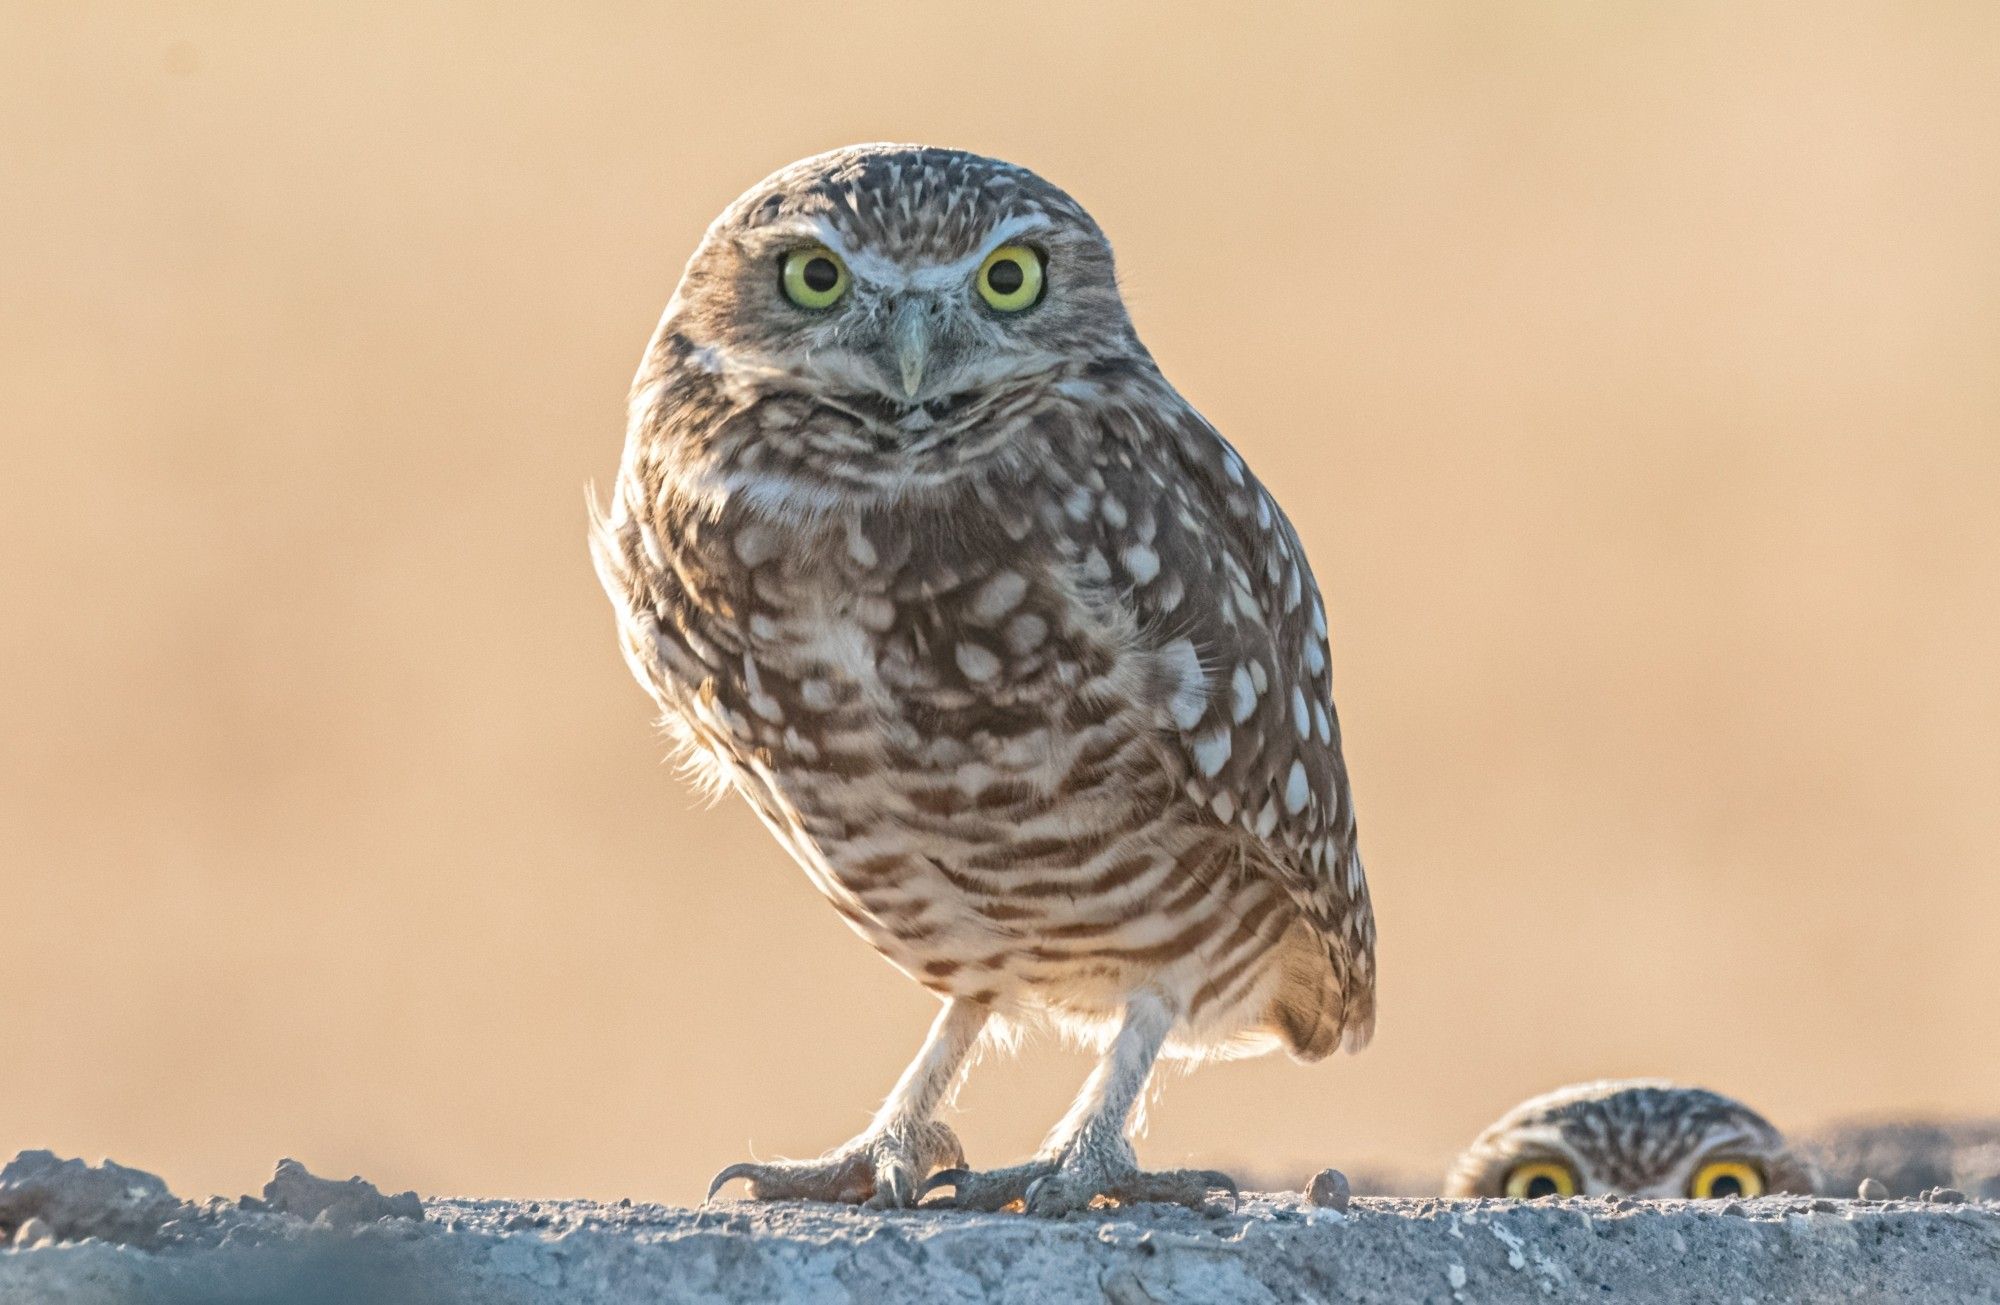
(1636, 1137)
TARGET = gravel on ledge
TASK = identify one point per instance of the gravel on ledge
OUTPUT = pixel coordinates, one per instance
(1274, 1248)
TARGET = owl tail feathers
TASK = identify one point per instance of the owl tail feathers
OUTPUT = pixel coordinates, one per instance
(1312, 1008)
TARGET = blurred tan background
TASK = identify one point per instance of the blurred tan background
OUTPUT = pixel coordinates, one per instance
(1632, 371)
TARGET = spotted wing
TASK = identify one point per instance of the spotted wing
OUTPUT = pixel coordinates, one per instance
(1207, 557)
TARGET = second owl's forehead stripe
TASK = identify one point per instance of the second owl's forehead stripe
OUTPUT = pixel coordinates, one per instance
(868, 265)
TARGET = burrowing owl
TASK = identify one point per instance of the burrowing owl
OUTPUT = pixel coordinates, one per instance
(918, 551)
(1635, 1138)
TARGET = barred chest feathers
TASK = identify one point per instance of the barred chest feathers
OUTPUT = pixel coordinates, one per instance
(932, 706)
(952, 713)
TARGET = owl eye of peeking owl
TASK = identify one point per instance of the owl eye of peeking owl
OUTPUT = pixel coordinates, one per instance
(1637, 1138)
(917, 551)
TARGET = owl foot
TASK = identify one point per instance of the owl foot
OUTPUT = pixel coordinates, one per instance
(884, 1171)
(1051, 1188)
(991, 1189)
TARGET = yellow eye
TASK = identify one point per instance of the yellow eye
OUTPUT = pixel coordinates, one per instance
(1011, 278)
(1720, 1179)
(814, 277)
(1536, 1178)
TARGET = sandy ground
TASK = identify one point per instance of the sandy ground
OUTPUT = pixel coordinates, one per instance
(110, 1235)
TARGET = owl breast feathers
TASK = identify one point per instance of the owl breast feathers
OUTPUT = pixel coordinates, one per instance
(998, 636)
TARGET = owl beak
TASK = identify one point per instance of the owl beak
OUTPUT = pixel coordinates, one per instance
(910, 340)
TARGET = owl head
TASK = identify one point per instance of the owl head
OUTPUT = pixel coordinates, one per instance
(888, 300)
(1642, 1138)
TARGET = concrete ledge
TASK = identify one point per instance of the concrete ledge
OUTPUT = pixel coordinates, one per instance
(1275, 1248)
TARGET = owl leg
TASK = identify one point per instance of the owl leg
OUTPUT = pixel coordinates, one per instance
(887, 1164)
(1088, 1155)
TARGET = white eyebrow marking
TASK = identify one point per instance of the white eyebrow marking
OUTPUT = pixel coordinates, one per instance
(888, 274)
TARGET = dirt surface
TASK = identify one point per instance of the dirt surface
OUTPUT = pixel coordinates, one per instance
(92, 1235)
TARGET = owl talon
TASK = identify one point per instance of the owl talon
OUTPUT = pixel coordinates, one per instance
(882, 1171)
(892, 1191)
(942, 1178)
(727, 1176)
(1035, 1189)
(993, 1189)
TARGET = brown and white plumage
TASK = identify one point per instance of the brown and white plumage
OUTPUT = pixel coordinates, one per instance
(1000, 638)
(1638, 1137)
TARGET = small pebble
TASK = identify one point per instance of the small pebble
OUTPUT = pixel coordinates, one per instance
(1946, 1196)
(1328, 1189)
(1824, 1206)
(1872, 1190)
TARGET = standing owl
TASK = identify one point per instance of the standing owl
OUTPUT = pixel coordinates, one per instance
(918, 551)
(1640, 1137)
